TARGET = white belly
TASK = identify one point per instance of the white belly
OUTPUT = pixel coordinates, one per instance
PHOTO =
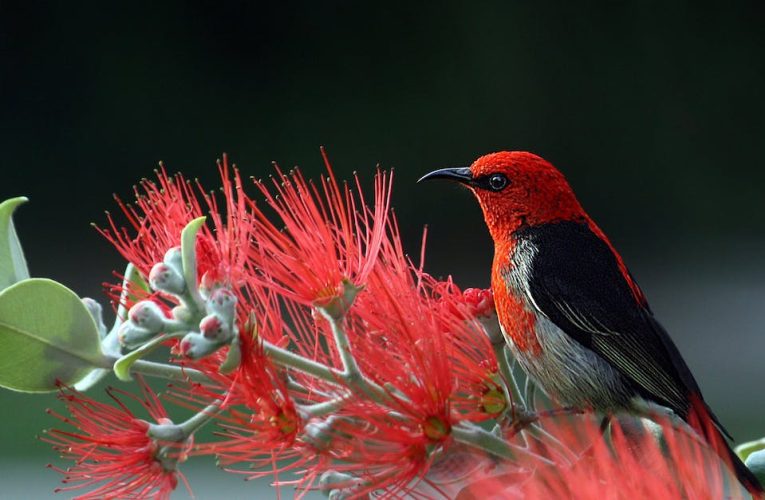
(572, 374)
(566, 370)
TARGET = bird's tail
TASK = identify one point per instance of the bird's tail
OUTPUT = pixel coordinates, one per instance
(703, 421)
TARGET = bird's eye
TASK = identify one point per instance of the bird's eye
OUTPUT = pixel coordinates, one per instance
(497, 182)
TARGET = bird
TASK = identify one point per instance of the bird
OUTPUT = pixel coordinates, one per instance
(570, 310)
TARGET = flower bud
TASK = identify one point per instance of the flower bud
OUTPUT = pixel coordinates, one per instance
(129, 335)
(166, 278)
(148, 315)
(222, 301)
(480, 301)
(174, 259)
(182, 313)
(208, 283)
(215, 328)
(194, 345)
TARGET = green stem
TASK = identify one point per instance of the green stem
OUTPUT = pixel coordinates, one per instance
(289, 359)
(352, 374)
(194, 423)
(171, 372)
(477, 437)
(326, 407)
(343, 344)
(530, 392)
(506, 369)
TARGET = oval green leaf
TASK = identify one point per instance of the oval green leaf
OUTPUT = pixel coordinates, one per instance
(13, 265)
(46, 335)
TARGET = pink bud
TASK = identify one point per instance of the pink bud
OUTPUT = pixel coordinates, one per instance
(223, 302)
(213, 327)
(194, 345)
(174, 259)
(166, 279)
(129, 335)
(208, 283)
(481, 301)
(147, 315)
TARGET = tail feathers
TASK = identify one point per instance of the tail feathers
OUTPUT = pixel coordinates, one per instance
(705, 422)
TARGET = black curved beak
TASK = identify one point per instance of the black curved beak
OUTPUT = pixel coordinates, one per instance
(461, 175)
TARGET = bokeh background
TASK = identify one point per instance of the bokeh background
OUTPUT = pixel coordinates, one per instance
(655, 111)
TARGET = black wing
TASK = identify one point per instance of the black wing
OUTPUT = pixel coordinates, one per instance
(576, 282)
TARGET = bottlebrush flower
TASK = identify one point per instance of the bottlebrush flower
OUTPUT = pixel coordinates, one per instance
(261, 389)
(402, 328)
(329, 235)
(112, 449)
(162, 210)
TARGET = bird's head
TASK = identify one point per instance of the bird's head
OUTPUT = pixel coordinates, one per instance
(515, 188)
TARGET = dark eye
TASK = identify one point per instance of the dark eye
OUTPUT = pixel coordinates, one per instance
(497, 182)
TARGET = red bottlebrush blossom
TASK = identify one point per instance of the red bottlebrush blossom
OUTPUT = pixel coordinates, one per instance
(261, 389)
(162, 210)
(403, 329)
(112, 450)
(326, 234)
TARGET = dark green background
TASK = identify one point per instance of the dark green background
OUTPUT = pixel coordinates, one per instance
(654, 110)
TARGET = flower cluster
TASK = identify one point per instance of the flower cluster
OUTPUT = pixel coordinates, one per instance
(300, 328)
(114, 451)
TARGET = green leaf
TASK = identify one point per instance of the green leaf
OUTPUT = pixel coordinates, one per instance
(189, 256)
(233, 358)
(123, 365)
(46, 334)
(745, 449)
(13, 265)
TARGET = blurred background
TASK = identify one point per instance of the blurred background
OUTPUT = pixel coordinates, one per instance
(654, 111)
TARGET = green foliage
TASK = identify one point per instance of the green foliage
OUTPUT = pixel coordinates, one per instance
(46, 334)
(189, 255)
(13, 265)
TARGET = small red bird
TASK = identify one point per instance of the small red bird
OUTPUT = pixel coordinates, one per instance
(570, 310)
